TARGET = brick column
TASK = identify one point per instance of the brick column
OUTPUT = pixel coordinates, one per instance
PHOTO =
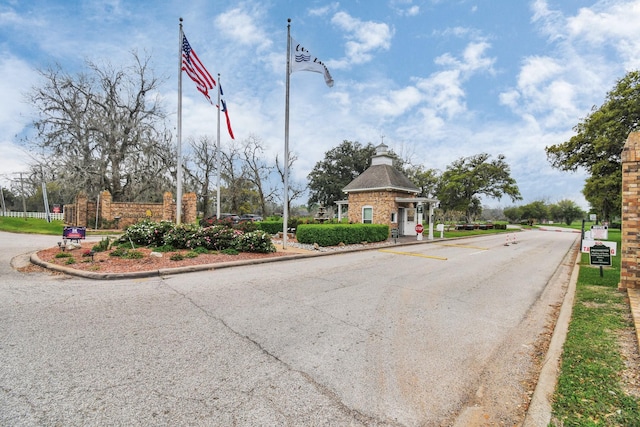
(81, 214)
(629, 273)
(105, 206)
(168, 207)
(189, 208)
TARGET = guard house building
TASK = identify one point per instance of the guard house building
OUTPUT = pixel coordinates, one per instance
(383, 195)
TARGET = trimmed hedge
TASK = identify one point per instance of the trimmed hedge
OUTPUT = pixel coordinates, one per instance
(334, 234)
(271, 227)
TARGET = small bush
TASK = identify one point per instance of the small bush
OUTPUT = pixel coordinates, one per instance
(191, 254)
(70, 261)
(201, 250)
(255, 241)
(63, 255)
(133, 255)
(176, 257)
(165, 248)
(183, 236)
(102, 246)
(118, 252)
(229, 251)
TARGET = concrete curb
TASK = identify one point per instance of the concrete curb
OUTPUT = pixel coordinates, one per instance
(539, 411)
(34, 259)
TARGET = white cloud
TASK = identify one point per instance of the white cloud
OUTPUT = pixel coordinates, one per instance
(363, 37)
(15, 115)
(239, 24)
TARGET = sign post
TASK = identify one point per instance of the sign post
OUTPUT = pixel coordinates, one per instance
(419, 230)
(600, 255)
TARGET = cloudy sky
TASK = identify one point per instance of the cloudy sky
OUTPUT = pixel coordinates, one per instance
(437, 79)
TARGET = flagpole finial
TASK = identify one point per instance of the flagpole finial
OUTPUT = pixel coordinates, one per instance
(181, 19)
(289, 20)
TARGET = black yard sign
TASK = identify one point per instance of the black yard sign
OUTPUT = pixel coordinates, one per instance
(600, 255)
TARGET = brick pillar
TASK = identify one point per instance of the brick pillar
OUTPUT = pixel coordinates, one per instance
(189, 208)
(82, 205)
(629, 273)
(168, 207)
(105, 206)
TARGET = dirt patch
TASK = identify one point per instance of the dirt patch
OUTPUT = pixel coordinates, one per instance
(629, 351)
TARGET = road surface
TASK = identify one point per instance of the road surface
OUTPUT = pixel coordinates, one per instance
(433, 334)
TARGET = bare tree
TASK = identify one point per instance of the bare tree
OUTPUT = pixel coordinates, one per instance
(256, 170)
(296, 190)
(201, 172)
(105, 129)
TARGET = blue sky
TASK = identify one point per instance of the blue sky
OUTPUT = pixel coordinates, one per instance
(439, 79)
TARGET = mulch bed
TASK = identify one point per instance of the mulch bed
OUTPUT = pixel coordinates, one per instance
(104, 263)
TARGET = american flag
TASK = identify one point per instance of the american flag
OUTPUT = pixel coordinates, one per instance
(195, 70)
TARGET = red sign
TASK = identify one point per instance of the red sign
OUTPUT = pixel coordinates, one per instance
(419, 228)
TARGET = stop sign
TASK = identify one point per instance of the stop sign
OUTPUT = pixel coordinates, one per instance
(419, 228)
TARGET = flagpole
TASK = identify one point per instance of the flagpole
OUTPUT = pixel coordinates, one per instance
(218, 157)
(285, 215)
(179, 171)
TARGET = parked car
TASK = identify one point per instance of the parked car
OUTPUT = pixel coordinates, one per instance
(250, 217)
(209, 221)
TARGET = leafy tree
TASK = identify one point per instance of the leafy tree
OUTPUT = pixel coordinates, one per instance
(537, 210)
(104, 130)
(425, 179)
(513, 213)
(566, 211)
(339, 167)
(466, 179)
(598, 143)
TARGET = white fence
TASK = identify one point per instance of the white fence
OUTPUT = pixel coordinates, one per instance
(41, 215)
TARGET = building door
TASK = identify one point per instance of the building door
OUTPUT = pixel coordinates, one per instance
(401, 220)
(410, 222)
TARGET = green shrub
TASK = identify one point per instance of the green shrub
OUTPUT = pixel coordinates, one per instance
(229, 251)
(271, 227)
(191, 254)
(215, 237)
(147, 232)
(255, 241)
(182, 236)
(164, 248)
(118, 252)
(246, 226)
(102, 246)
(201, 250)
(63, 255)
(334, 234)
(176, 257)
(70, 261)
(133, 255)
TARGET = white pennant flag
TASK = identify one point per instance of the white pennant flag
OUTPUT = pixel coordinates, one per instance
(302, 60)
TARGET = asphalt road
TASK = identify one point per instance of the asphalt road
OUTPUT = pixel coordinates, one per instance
(424, 335)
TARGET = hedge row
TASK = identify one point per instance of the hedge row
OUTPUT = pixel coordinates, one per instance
(334, 234)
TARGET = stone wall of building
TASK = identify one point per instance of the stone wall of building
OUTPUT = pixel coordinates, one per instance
(382, 202)
(630, 245)
(120, 215)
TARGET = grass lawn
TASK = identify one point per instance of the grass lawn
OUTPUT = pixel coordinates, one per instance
(30, 225)
(589, 390)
